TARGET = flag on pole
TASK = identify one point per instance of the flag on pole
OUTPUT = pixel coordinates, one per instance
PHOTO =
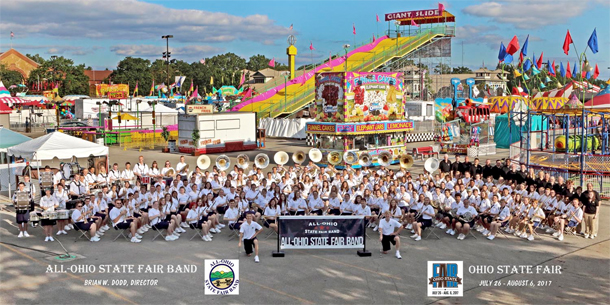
(291, 27)
(373, 37)
(191, 88)
(508, 59)
(501, 52)
(354, 28)
(575, 70)
(211, 80)
(413, 23)
(596, 72)
(202, 61)
(566, 43)
(592, 43)
(13, 34)
(562, 71)
(248, 93)
(242, 80)
(272, 62)
(152, 87)
(441, 8)
(136, 89)
(524, 49)
(375, 15)
(512, 46)
(568, 72)
(475, 91)
(311, 46)
(551, 69)
(539, 63)
(194, 94)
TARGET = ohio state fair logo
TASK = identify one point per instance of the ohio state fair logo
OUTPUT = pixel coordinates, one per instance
(445, 278)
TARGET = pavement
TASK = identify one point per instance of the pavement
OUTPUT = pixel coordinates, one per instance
(329, 276)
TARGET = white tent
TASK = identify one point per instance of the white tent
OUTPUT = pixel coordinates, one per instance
(57, 144)
(159, 108)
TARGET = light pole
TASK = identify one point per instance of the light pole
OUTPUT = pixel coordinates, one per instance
(167, 53)
(345, 47)
(153, 103)
(138, 101)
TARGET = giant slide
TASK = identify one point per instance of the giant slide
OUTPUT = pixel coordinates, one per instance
(285, 99)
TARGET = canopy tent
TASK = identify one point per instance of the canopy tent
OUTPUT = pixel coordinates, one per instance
(10, 138)
(58, 145)
(602, 100)
(5, 96)
(505, 134)
(36, 98)
(159, 108)
(4, 109)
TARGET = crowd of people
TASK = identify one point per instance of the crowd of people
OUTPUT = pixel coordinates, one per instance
(504, 198)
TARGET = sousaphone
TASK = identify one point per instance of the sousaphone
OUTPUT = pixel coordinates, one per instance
(261, 160)
(365, 160)
(243, 161)
(334, 158)
(298, 157)
(431, 165)
(280, 158)
(350, 157)
(384, 158)
(203, 162)
(406, 161)
(315, 155)
(223, 162)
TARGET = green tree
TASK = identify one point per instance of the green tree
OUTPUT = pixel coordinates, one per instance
(72, 78)
(257, 62)
(10, 77)
(461, 70)
(442, 69)
(131, 70)
(37, 58)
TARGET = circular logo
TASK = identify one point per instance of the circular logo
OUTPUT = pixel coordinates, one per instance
(221, 276)
(292, 40)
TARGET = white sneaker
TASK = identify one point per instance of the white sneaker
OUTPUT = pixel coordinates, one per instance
(507, 230)
(409, 227)
(106, 227)
(139, 231)
(418, 238)
(25, 234)
(448, 231)
(182, 230)
(256, 259)
(169, 238)
(71, 226)
(221, 225)
(412, 231)
(51, 238)
(480, 229)
(452, 232)
(20, 234)
(138, 236)
(592, 237)
(176, 234)
(58, 233)
(461, 236)
(46, 238)
(398, 255)
(560, 238)
(67, 227)
(184, 225)
(375, 228)
(485, 232)
(148, 226)
(530, 238)
(556, 234)
(135, 240)
(209, 235)
(95, 239)
(549, 230)
(444, 226)
(213, 230)
(100, 233)
(438, 225)
(586, 235)
(491, 237)
(414, 235)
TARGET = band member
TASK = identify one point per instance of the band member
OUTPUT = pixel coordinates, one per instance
(272, 211)
(140, 169)
(90, 177)
(247, 232)
(102, 179)
(114, 175)
(77, 189)
(182, 167)
(159, 220)
(48, 205)
(388, 233)
(121, 220)
(127, 174)
(233, 216)
(334, 203)
(572, 219)
(61, 196)
(427, 213)
(316, 205)
(80, 220)
(198, 220)
(461, 226)
(534, 218)
(22, 215)
(501, 220)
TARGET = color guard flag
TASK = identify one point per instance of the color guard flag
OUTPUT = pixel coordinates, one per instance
(272, 62)
(512, 46)
(568, 72)
(441, 8)
(527, 65)
(567, 42)
(501, 52)
(593, 42)
(195, 93)
(508, 59)
(596, 72)
(191, 88)
(311, 46)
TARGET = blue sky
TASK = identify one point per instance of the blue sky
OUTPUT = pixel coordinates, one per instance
(101, 33)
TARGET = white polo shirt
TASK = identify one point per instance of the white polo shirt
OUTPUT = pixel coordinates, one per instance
(388, 227)
(249, 229)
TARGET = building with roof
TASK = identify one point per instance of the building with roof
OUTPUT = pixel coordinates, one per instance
(15, 61)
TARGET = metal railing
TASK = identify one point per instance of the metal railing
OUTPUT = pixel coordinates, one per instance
(303, 96)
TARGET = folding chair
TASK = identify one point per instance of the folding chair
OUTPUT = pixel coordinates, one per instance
(431, 232)
(197, 232)
(234, 232)
(160, 232)
(82, 233)
(121, 233)
(271, 231)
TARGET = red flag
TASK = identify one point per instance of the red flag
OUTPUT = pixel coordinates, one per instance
(311, 46)
(272, 62)
(373, 37)
(539, 62)
(441, 8)
(243, 78)
(413, 23)
(377, 17)
(195, 94)
(568, 72)
(248, 93)
(567, 42)
(552, 69)
(596, 72)
(513, 46)
(354, 29)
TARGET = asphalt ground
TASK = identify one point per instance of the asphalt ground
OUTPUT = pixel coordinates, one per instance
(330, 276)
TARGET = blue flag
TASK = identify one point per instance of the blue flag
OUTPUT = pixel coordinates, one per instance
(527, 65)
(508, 58)
(535, 61)
(593, 42)
(588, 75)
(562, 71)
(574, 71)
(524, 47)
(502, 52)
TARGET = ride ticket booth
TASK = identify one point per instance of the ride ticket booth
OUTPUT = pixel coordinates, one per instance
(361, 113)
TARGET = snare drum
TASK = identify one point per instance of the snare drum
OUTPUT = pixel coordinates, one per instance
(53, 215)
(145, 180)
(34, 217)
(44, 215)
(63, 214)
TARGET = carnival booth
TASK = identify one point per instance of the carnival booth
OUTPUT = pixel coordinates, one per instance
(359, 116)
(201, 131)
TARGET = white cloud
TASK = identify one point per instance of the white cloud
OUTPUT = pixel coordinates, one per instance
(59, 49)
(527, 14)
(156, 51)
(478, 34)
(132, 20)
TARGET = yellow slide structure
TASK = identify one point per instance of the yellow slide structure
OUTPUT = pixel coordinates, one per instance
(280, 101)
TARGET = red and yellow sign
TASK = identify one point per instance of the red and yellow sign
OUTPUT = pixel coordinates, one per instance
(102, 90)
(117, 95)
(194, 109)
(370, 127)
(408, 125)
(312, 127)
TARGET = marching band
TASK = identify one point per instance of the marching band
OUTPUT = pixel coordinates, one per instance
(461, 197)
